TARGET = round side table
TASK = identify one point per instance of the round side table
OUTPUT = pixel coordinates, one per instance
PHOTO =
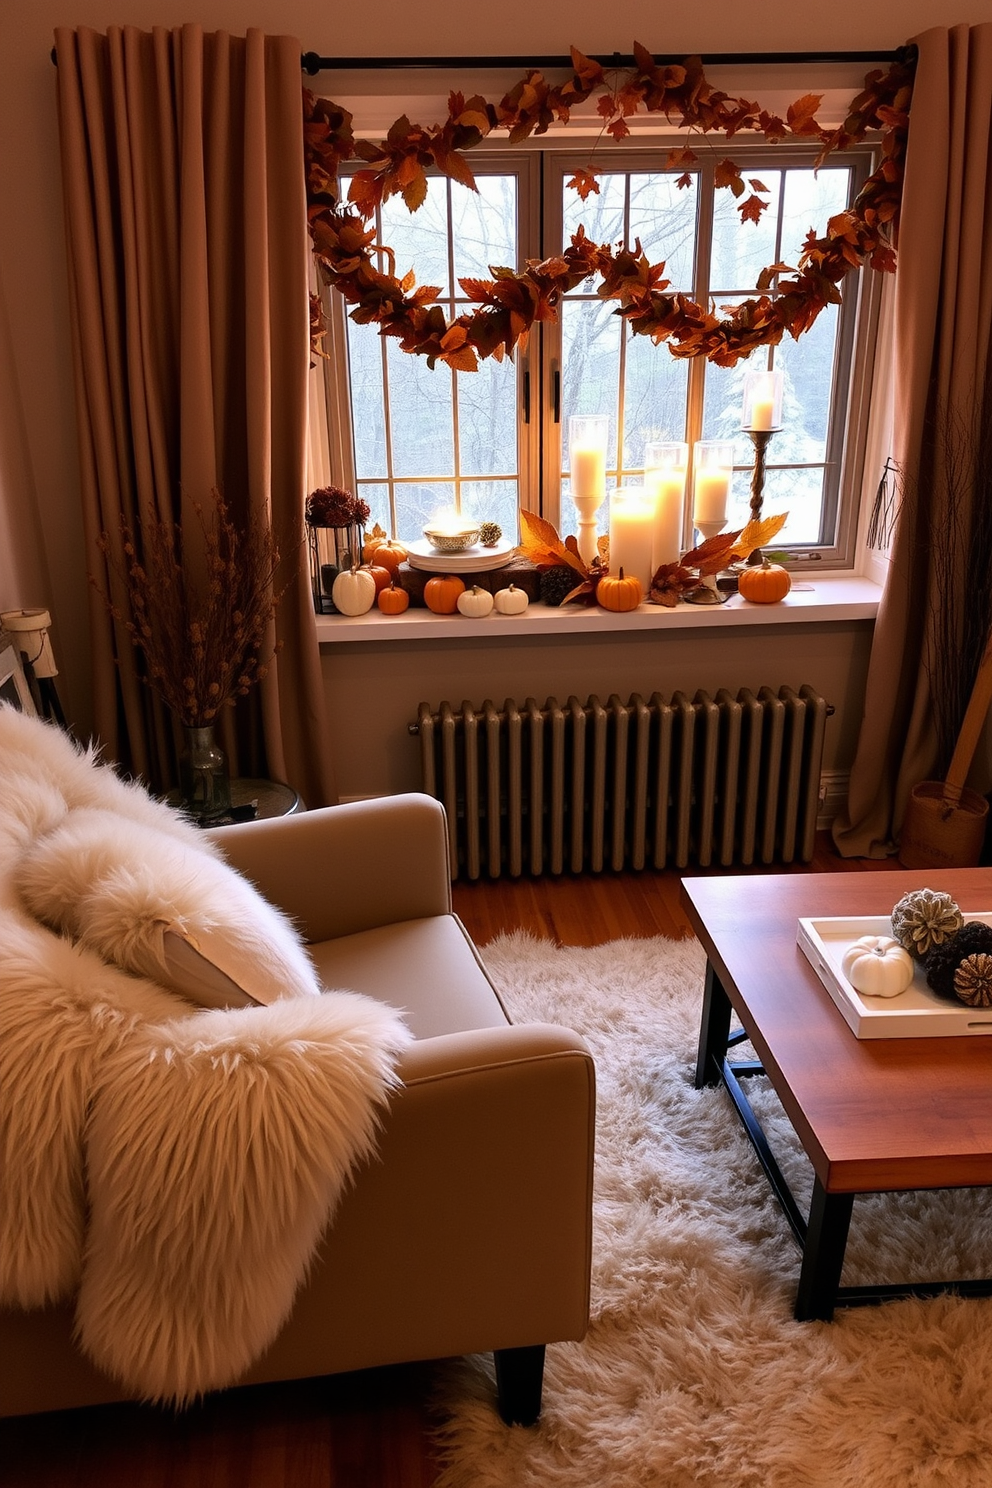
(268, 798)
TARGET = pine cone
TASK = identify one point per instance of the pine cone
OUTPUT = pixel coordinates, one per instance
(556, 582)
(923, 919)
(490, 534)
(944, 961)
(973, 980)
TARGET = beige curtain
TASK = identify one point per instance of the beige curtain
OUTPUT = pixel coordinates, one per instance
(943, 325)
(182, 162)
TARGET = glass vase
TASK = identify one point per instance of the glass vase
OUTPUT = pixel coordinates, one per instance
(204, 777)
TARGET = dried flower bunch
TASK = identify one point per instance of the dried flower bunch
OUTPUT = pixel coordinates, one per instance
(332, 506)
(200, 630)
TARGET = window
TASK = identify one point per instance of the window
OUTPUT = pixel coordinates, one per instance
(485, 442)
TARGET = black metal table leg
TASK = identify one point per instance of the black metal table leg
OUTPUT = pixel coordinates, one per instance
(823, 1254)
(714, 1031)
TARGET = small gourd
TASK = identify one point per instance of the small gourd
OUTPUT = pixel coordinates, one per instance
(353, 592)
(475, 603)
(619, 593)
(441, 593)
(764, 583)
(510, 601)
(877, 966)
(393, 601)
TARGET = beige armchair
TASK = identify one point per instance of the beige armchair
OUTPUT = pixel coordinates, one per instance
(471, 1230)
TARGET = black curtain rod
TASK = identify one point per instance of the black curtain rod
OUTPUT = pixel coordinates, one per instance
(313, 63)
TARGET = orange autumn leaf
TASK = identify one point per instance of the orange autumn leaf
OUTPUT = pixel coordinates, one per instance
(758, 534)
(542, 545)
(800, 116)
(585, 182)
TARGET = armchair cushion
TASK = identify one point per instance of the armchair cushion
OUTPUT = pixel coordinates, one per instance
(163, 908)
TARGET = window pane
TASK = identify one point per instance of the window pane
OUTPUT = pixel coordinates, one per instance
(800, 493)
(811, 199)
(602, 215)
(655, 390)
(493, 501)
(590, 383)
(420, 239)
(420, 414)
(664, 218)
(484, 224)
(419, 502)
(742, 249)
(365, 365)
(487, 424)
(808, 365)
(377, 497)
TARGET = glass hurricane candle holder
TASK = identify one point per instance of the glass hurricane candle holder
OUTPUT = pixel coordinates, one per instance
(587, 438)
(665, 466)
(762, 409)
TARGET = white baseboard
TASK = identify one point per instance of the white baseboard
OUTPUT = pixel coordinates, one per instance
(833, 796)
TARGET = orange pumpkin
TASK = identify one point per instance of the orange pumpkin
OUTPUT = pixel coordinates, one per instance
(383, 578)
(619, 592)
(389, 555)
(393, 601)
(441, 593)
(764, 582)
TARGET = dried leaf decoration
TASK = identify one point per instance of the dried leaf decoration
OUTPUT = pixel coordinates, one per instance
(545, 549)
(788, 301)
(758, 535)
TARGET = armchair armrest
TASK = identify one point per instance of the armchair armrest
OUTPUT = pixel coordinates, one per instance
(342, 869)
(471, 1230)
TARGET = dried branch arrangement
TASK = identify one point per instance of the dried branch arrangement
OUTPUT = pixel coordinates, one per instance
(201, 632)
(788, 299)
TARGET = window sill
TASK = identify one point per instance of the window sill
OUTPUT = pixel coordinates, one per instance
(831, 598)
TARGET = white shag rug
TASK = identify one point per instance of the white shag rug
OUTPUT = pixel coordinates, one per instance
(693, 1373)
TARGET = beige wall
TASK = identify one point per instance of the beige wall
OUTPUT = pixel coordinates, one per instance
(41, 552)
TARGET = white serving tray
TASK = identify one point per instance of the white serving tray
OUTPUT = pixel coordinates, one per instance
(916, 1013)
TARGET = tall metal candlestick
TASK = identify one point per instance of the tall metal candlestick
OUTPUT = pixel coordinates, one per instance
(759, 438)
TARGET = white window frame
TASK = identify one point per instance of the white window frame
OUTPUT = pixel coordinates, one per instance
(540, 459)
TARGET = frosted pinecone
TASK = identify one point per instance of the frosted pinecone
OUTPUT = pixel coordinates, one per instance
(490, 534)
(925, 918)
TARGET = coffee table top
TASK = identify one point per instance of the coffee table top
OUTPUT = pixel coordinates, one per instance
(872, 1114)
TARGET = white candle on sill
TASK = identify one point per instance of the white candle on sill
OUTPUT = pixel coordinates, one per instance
(632, 512)
(665, 465)
(587, 475)
(710, 491)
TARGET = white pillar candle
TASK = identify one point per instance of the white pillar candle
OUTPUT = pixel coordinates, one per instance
(587, 476)
(762, 401)
(710, 491)
(667, 485)
(632, 515)
(762, 412)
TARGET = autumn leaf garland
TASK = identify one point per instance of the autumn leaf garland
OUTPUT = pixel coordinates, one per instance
(788, 300)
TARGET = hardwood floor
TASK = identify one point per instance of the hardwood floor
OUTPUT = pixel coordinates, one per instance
(369, 1430)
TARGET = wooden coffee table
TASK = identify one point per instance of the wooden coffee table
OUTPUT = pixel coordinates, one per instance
(872, 1115)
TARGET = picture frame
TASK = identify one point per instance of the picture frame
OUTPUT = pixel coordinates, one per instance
(14, 687)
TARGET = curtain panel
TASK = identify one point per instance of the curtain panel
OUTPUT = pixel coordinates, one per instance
(182, 164)
(942, 392)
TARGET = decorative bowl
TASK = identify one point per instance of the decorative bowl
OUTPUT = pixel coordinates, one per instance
(452, 542)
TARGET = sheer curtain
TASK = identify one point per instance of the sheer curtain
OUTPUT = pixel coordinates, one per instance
(942, 338)
(182, 162)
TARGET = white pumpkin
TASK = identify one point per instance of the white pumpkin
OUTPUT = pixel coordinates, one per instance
(475, 603)
(511, 600)
(877, 966)
(353, 591)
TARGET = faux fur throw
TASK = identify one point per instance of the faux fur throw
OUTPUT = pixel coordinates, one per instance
(172, 1167)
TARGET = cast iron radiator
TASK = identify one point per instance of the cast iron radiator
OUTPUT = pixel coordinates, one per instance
(650, 783)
